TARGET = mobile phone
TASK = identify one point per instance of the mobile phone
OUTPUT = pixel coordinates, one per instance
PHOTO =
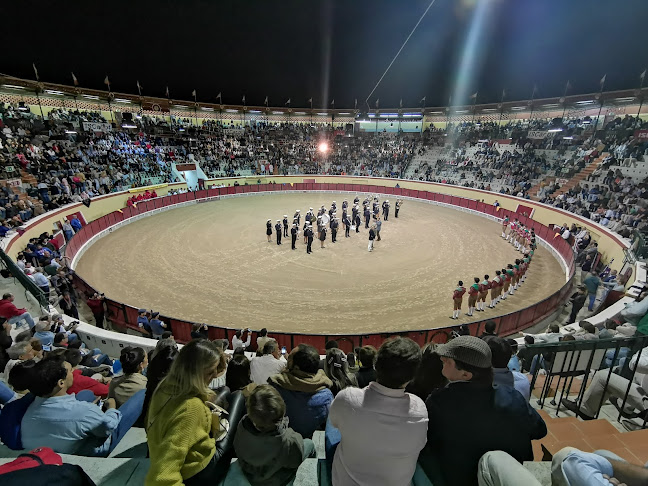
(283, 349)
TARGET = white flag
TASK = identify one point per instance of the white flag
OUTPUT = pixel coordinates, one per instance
(193, 93)
(602, 81)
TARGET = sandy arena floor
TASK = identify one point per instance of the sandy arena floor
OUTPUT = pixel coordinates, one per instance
(211, 262)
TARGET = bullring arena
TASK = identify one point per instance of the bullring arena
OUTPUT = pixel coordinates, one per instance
(212, 263)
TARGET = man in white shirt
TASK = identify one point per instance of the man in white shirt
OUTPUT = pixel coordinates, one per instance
(383, 429)
(237, 342)
(271, 363)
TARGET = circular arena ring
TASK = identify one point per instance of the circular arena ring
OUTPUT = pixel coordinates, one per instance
(216, 253)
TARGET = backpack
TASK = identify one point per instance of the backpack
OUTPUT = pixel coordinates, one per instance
(42, 467)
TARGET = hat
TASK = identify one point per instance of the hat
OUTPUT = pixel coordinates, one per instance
(467, 349)
(154, 314)
(141, 311)
(269, 219)
(299, 210)
(285, 215)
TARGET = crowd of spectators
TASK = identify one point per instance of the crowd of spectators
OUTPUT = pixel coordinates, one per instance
(442, 408)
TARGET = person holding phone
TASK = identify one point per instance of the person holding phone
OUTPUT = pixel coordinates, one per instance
(270, 363)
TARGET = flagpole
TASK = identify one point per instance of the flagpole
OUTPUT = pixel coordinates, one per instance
(600, 103)
(38, 88)
(311, 110)
(39, 103)
(532, 98)
(473, 108)
(642, 77)
(499, 123)
(565, 101)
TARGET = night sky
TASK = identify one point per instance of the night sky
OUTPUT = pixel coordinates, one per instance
(330, 49)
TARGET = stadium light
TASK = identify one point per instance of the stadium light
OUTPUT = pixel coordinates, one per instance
(54, 92)
(90, 97)
(71, 132)
(12, 86)
(121, 100)
(568, 138)
(586, 102)
(551, 130)
(129, 126)
(323, 147)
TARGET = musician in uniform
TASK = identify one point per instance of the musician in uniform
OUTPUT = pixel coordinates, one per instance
(378, 225)
(319, 226)
(322, 236)
(285, 225)
(347, 224)
(345, 205)
(356, 200)
(399, 203)
(367, 216)
(305, 228)
(269, 229)
(278, 230)
(457, 299)
(385, 208)
(297, 216)
(308, 234)
(357, 222)
(293, 233)
(334, 227)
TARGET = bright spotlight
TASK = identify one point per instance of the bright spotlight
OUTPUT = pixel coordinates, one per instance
(323, 147)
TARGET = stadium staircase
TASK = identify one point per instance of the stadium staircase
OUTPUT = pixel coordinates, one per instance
(573, 182)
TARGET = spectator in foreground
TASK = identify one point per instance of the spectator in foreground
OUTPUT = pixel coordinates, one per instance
(382, 427)
(305, 389)
(181, 423)
(68, 424)
(332, 344)
(238, 376)
(501, 353)
(271, 363)
(134, 361)
(162, 358)
(428, 375)
(79, 380)
(13, 315)
(268, 450)
(337, 369)
(262, 339)
(489, 329)
(367, 373)
(468, 417)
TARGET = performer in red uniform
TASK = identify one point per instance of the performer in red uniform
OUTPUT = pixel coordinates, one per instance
(457, 298)
(495, 289)
(484, 286)
(473, 294)
(505, 223)
(507, 283)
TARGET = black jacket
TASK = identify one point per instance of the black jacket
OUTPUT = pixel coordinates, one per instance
(469, 419)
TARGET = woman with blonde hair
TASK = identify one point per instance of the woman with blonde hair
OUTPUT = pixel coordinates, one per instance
(336, 368)
(183, 425)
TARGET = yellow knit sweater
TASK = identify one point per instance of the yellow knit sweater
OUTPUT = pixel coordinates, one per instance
(179, 439)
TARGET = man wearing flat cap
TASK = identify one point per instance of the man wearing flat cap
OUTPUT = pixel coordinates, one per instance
(471, 416)
(143, 322)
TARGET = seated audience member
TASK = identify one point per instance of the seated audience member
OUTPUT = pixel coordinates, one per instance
(37, 347)
(43, 333)
(587, 332)
(572, 467)
(262, 339)
(609, 330)
(10, 312)
(598, 392)
(21, 376)
(633, 311)
(271, 363)
(337, 369)
(367, 373)
(305, 389)
(60, 340)
(182, 426)
(218, 382)
(69, 425)
(489, 329)
(353, 363)
(199, 331)
(514, 363)
(526, 354)
(20, 351)
(428, 375)
(501, 354)
(332, 344)
(79, 381)
(160, 362)
(382, 427)
(134, 361)
(551, 336)
(239, 375)
(468, 416)
(268, 450)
